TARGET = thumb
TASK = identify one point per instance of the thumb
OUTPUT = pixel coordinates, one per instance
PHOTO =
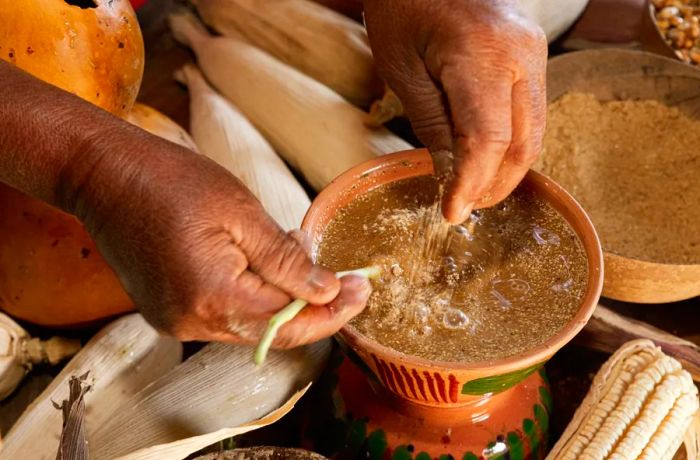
(316, 322)
(279, 259)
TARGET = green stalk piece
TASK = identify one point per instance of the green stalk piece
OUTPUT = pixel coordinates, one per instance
(293, 308)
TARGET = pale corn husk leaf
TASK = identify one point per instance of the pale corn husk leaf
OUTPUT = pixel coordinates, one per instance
(317, 131)
(312, 38)
(184, 447)
(213, 394)
(619, 372)
(227, 137)
(122, 358)
(384, 110)
(153, 121)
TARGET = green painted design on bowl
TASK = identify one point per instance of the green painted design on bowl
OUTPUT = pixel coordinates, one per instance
(498, 383)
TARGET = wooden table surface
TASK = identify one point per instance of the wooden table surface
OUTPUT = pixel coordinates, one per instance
(569, 371)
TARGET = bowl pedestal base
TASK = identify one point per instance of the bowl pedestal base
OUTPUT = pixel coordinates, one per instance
(373, 424)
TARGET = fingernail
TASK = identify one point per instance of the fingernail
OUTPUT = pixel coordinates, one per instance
(465, 212)
(359, 284)
(320, 278)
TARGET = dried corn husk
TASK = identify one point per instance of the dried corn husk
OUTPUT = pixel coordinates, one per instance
(151, 120)
(316, 40)
(312, 127)
(121, 359)
(641, 405)
(384, 110)
(188, 408)
(19, 352)
(227, 137)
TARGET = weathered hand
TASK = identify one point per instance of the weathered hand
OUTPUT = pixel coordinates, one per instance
(471, 77)
(194, 249)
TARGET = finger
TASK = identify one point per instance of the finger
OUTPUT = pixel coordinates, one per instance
(482, 123)
(529, 107)
(403, 69)
(281, 261)
(316, 322)
(234, 312)
(423, 103)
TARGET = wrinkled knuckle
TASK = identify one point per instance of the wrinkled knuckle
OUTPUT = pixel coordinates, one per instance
(493, 142)
(283, 257)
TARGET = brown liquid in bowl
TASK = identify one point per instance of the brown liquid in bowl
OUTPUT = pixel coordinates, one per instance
(502, 283)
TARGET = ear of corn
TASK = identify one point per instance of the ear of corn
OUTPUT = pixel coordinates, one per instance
(121, 359)
(227, 137)
(640, 406)
(314, 39)
(312, 127)
(151, 120)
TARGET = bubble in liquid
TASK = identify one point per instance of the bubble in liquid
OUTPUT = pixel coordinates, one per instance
(544, 236)
(455, 319)
(450, 266)
(426, 330)
(464, 232)
(508, 291)
(440, 303)
(563, 287)
(503, 302)
(422, 312)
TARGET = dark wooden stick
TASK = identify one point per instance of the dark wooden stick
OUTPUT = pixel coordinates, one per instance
(607, 331)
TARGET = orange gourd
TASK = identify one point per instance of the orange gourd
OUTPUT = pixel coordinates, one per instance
(91, 48)
(50, 270)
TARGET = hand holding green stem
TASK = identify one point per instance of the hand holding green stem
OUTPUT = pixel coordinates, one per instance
(292, 309)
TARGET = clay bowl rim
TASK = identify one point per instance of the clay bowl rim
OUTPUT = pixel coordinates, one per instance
(534, 356)
(631, 54)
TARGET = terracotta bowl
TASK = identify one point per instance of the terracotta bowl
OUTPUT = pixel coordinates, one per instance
(621, 74)
(452, 384)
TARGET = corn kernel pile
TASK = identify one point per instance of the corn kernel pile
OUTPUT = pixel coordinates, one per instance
(679, 22)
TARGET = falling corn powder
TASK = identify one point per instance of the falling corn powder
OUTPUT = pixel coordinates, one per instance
(635, 167)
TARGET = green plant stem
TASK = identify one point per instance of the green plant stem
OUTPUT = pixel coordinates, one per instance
(293, 308)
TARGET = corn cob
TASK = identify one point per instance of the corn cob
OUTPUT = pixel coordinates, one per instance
(312, 127)
(316, 40)
(640, 406)
(227, 137)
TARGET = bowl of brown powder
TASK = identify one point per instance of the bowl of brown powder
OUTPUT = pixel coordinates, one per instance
(623, 137)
